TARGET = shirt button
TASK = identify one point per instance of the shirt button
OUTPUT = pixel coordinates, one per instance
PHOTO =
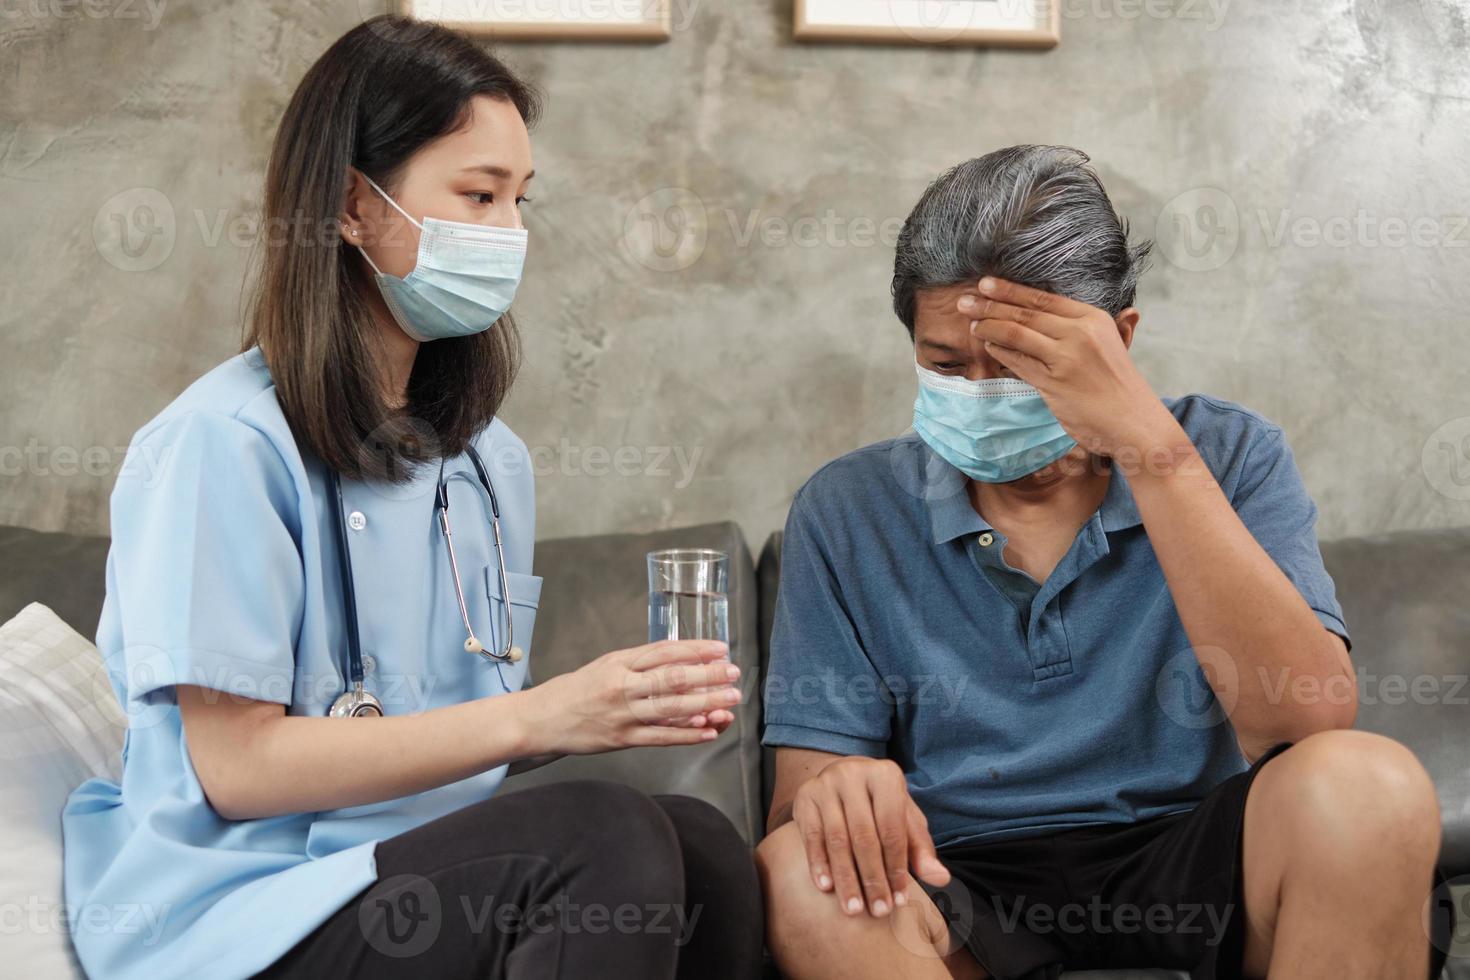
(987, 539)
(369, 664)
(357, 520)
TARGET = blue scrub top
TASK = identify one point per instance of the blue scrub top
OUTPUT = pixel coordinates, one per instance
(223, 573)
(1016, 707)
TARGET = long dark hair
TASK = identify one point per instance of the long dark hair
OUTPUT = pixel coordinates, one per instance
(378, 95)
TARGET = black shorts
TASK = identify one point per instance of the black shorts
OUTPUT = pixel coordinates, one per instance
(1163, 893)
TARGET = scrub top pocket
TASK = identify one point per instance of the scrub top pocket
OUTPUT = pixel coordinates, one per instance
(525, 597)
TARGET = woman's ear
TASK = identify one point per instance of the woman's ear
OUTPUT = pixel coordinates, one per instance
(1127, 323)
(354, 227)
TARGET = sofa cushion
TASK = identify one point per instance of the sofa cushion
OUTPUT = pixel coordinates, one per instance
(64, 571)
(1405, 599)
(59, 726)
(595, 599)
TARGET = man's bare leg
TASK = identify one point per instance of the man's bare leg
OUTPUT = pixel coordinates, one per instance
(811, 937)
(1341, 835)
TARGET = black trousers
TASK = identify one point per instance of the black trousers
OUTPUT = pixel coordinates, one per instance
(576, 879)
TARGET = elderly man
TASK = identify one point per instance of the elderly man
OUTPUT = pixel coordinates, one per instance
(1058, 679)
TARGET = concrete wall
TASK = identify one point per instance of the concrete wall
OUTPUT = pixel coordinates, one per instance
(712, 235)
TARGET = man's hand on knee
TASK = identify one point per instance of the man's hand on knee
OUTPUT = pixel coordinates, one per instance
(862, 834)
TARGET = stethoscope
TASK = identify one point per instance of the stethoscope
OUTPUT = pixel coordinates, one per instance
(358, 703)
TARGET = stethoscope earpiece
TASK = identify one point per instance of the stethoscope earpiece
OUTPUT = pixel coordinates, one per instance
(472, 645)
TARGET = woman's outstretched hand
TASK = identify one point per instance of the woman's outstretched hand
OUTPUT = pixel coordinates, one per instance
(674, 692)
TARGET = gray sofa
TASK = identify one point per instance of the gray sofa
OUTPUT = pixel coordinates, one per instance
(1405, 597)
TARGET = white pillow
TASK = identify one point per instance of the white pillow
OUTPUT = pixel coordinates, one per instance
(60, 724)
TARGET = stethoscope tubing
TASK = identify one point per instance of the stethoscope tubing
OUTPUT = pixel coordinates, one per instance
(349, 589)
(504, 653)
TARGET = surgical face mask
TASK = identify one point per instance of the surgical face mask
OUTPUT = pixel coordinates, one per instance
(462, 282)
(993, 431)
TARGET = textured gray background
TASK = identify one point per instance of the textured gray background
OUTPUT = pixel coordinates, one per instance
(712, 235)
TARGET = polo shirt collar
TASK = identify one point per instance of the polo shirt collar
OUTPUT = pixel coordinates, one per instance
(951, 516)
(1118, 510)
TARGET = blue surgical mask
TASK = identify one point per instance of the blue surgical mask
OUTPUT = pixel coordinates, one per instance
(993, 431)
(462, 282)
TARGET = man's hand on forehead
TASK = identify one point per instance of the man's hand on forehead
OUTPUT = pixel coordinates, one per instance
(1002, 299)
(1076, 355)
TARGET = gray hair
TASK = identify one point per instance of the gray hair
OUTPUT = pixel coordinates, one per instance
(1036, 215)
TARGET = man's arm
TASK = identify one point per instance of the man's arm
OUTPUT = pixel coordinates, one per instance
(793, 768)
(1233, 598)
(1239, 609)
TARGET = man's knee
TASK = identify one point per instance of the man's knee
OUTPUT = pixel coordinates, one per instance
(781, 862)
(1350, 789)
(795, 906)
(806, 926)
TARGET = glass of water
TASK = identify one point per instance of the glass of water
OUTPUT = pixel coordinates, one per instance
(687, 595)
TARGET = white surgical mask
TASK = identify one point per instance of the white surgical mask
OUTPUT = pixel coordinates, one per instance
(463, 281)
(995, 431)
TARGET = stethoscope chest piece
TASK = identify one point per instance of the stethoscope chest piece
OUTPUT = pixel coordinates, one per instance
(356, 703)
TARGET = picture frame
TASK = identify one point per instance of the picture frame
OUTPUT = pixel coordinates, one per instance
(985, 23)
(549, 20)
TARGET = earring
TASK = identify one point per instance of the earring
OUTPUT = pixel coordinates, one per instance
(354, 233)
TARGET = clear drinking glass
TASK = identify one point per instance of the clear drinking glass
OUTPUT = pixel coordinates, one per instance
(687, 598)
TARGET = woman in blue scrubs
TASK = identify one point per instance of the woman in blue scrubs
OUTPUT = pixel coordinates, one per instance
(253, 833)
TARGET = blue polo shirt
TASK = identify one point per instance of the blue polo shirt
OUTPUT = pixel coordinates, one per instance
(1016, 707)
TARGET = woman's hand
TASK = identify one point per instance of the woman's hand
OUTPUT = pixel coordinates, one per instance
(675, 692)
(1075, 356)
